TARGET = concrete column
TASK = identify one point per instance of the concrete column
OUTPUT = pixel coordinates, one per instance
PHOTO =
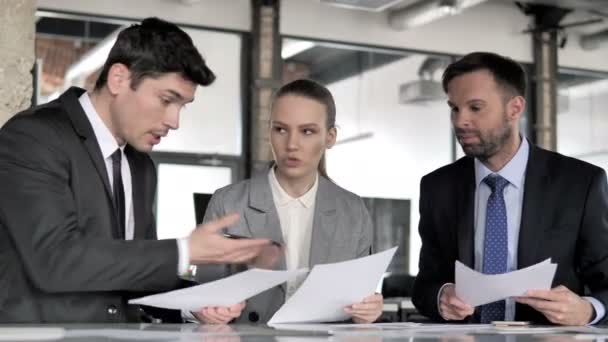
(545, 89)
(543, 116)
(17, 29)
(265, 77)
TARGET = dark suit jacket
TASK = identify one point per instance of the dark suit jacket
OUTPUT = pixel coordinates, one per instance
(60, 260)
(564, 217)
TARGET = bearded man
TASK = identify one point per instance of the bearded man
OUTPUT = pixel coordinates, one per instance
(508, 205)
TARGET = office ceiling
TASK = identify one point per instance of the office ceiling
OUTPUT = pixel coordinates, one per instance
(582, 10)
(369, 5)
(327, 63)
(382, 5)
(330, 63)
(598, 5)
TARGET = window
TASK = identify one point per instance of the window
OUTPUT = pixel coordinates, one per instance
(177, 184)
(582, 121)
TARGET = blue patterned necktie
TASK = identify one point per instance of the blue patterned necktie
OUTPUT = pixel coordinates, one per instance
(495, 245)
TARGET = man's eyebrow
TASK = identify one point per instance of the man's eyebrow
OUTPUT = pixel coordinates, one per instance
(178, 96)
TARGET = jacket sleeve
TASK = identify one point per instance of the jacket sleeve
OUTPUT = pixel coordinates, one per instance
(434, 269)
(593, 240)
(39, 213)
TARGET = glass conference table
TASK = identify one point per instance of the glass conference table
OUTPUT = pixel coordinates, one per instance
(244, 333)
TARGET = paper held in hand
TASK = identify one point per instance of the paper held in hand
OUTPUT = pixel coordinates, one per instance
(330, 288)
(476, 288)
(223, 292)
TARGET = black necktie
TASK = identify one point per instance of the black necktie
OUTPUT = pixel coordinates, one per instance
(118, 193)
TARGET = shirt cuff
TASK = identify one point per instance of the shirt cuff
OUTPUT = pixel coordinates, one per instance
(183, 262)
(600, 310)
(439, 297)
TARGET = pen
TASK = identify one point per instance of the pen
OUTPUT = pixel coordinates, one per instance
(237, 237)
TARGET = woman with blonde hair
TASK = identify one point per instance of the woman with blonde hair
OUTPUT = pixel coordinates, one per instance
(295, 203)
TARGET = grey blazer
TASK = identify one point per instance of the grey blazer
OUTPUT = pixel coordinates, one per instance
(342, 230)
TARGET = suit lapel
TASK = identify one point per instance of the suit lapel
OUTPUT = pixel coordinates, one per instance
(324, 223)
(83, 128)
(261, 215)
(531, 228)
(467, 213)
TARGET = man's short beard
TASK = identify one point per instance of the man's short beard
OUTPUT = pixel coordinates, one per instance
(489, 145)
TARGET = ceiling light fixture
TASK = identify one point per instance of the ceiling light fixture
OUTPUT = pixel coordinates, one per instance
(426, 11)
(293, 47)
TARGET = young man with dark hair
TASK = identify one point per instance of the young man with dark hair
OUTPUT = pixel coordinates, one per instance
(77, 231)
(508, 205)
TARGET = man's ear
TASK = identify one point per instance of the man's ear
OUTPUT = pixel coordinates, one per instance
(119, 78)
(516, 107)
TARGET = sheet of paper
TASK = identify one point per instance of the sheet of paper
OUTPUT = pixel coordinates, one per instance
(330, 288)
(222, 292)
(477, 288)
(333, 328)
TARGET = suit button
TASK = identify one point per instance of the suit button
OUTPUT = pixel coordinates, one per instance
(254, 317)
(112, 310)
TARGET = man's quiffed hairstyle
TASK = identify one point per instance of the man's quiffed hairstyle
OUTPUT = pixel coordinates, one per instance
(155, 47)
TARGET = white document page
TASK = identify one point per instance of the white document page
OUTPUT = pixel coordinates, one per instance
(332, 328)
(330, 288)
(223, 292)
(476, 288)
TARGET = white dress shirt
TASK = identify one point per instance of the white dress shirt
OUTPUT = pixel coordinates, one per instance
(108, 145)
(514, 172)
(296, 216)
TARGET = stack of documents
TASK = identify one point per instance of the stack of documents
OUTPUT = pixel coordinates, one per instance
(476, 288)
(324, 294)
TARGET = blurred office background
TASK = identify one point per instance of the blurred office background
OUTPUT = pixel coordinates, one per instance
(382, 59)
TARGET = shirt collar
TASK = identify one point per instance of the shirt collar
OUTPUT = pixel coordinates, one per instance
(105, 138)
(281, 197)
(513, 172)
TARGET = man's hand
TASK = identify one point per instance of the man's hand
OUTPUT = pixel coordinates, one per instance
(368, 310)
(268, 257)
(559, 305)
(219, 314)
(208, 246)
(451, 308)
